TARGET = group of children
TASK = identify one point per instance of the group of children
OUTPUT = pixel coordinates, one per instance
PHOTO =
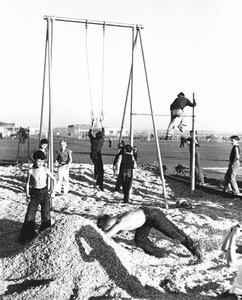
(37, 193)
(123, 165)
(141, 220)
(177, 112)
(37, 183)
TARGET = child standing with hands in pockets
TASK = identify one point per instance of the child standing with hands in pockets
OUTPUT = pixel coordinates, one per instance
(63, 161)
(37, 192)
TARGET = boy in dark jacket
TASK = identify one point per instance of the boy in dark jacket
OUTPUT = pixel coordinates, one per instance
(176, 109)
(126, 163)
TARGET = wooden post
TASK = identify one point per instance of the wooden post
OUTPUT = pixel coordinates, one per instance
(28, 144)
(134, 41)
(50, 129)
(43, 86)
(18, 150)
(193, 179)
(50, 44)
(154, 128)
(131, 95)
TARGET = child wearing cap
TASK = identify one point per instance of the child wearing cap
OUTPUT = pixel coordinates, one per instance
(63, 161)
(37, 192)
(230, 184)
(126, 163)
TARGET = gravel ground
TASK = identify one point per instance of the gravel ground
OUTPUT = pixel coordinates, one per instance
(75, 260)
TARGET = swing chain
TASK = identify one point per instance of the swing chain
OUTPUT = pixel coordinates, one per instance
(103, 63)
(92, 117)
(89, 76)
(101, 117)
(88, 71)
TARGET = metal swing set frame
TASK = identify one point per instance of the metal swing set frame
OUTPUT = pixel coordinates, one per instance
(48, 71)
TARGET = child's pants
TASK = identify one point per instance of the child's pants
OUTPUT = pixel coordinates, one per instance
(126, 181)
(199, 177)
(63, 177)
(38, 197)
(230, 183)
(175, 114)
(156, 218)
(118, 183)
(98, 168)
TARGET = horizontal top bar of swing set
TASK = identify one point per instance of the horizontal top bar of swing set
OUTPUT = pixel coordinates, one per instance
(92, 22)
(144, 114)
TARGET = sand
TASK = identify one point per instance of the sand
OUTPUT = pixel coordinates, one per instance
(75, 260)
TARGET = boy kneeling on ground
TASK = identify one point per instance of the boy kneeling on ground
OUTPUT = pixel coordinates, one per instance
(142, 220)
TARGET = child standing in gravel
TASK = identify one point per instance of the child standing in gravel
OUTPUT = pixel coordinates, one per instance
(127, 163)
(230, 184)
(37, 192)
(234, 259)
(63, 161)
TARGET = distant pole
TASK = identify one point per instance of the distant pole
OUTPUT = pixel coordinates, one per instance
(18, 149)
(43, 86)
(129, 83)
(193, 149)
(125, 107)
(28, 142)
(131, 93)
(50, 136)
(50, 45)
(154, 128)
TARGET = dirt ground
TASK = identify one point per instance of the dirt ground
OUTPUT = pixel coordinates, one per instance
(75, 260)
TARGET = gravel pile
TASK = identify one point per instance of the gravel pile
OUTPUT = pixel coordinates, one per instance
(75, 260)
(72, 260)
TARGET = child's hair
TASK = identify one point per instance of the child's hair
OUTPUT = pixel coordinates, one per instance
(99, 135)
(191, 131)
(63, 142)
(234, 137)
(128, 148)
(44, 141)
(101, 221)
(38, 154)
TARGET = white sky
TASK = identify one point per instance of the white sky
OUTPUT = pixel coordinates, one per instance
(193, 46)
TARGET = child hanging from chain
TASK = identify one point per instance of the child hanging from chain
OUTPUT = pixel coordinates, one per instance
(97, 142)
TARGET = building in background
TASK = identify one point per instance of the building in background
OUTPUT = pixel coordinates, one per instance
(7, 129)
(80, 131)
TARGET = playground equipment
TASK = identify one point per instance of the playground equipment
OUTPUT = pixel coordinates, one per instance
(192, 171)
(89, 74)
(51, 20)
